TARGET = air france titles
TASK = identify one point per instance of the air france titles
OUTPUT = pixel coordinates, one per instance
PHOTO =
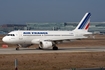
(35, 32)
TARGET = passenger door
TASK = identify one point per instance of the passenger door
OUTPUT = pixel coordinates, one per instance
(20, 36)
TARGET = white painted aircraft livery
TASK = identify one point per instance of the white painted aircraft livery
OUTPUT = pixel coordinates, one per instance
(48, 39)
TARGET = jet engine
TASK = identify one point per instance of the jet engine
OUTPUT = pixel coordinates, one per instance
(45, 44)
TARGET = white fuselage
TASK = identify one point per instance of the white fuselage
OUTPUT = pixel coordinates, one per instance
(27, 37)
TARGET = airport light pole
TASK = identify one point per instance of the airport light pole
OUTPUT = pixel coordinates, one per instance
(16, 64)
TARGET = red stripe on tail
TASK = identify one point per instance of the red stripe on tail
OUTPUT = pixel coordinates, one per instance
(87, 26)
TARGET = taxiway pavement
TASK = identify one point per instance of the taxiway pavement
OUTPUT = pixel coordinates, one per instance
(61, 50)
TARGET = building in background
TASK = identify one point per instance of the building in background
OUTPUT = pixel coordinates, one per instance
(44, 26)
(11, 27)
(96, 27)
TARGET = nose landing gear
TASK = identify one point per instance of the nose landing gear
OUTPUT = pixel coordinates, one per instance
(17, 48)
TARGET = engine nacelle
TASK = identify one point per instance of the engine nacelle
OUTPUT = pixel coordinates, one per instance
(24, 45)
(45, 44)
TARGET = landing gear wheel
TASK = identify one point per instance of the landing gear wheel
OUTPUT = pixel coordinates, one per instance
(17, 48)
(55, 48)
(40, 48)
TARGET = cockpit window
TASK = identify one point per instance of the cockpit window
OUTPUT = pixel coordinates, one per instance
(10, 34)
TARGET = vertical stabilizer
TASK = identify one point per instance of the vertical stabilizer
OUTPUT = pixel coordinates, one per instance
(84, 23)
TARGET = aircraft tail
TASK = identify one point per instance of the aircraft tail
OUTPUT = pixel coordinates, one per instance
(84, 23)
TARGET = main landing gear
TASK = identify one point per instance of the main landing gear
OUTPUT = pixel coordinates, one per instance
(55, 47)
(39, 48)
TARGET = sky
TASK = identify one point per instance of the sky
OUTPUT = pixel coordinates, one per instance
(29, 11)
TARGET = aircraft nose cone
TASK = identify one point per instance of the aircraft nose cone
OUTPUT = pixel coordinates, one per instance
(5, 40)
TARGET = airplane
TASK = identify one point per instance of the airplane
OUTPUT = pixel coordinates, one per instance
(48, 39)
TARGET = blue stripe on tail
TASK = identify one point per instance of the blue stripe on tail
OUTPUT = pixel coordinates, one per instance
(84, 21)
